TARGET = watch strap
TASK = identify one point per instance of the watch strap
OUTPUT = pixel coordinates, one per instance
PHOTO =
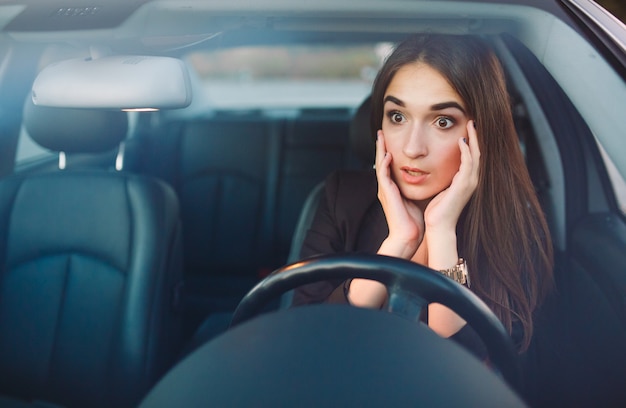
(458, 273)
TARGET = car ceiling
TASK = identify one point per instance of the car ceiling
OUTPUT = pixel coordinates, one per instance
(175, 27)
(119, 19)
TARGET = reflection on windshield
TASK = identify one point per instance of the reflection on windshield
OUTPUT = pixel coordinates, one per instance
(288, 77)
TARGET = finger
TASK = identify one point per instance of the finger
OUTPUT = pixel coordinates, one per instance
(383, 171)
(383, 158)
(468, 166)
(473, 150)
(466, 154)
(380, 148)
(472, 134)
(387, 188)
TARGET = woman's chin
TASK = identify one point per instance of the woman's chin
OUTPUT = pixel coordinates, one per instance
(415, 194)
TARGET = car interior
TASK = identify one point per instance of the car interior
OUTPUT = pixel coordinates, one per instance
(131, 235)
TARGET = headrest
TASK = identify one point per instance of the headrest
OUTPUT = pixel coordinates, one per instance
(75, 130)
(362, 137)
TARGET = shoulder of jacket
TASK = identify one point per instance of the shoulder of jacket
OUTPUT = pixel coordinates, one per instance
(351, 190)
(353, 181)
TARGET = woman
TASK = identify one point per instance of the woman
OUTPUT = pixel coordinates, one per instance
(450, 190)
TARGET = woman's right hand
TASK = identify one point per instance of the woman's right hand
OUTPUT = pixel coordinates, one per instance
(406, 230)
(404, 218)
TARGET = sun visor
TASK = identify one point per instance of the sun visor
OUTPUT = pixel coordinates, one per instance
(114, 82)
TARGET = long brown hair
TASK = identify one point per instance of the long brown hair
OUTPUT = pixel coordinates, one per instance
(502, 231)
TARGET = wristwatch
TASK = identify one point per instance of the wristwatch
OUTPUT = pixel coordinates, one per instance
(458, 273)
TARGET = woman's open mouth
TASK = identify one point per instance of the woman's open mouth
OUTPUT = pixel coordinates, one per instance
(413, 175)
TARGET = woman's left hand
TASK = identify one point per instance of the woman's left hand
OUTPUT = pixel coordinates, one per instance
(444, 209)
(441, 216)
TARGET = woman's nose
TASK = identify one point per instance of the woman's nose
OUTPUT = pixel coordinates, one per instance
(415, 143)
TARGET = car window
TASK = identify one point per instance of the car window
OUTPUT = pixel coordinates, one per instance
(287, 76)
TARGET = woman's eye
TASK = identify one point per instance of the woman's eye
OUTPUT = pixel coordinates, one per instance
(444, 123)
(396, 117)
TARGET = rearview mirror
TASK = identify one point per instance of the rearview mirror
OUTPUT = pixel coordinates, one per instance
(114, 82)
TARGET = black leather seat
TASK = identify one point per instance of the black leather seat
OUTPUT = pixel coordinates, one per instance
(89, 262)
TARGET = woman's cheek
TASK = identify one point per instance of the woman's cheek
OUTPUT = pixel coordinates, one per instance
(453, 161)
(393, 146)
(387, 129)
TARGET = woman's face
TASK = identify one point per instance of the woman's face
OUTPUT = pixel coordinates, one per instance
(423, 120)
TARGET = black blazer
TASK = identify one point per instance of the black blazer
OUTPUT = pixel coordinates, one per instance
(349, 219)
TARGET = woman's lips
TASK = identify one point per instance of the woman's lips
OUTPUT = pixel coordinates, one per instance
(413, 176)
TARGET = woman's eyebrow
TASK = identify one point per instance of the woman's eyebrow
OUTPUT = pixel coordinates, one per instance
(393, 99)
(446, 105)
(434, 108)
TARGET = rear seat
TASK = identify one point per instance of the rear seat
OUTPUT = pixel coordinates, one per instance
(241, 180)
(220, 169)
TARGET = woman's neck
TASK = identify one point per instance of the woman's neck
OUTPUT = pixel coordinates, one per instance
(422, 204)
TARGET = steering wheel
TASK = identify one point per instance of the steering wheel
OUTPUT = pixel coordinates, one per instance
(410, 287)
